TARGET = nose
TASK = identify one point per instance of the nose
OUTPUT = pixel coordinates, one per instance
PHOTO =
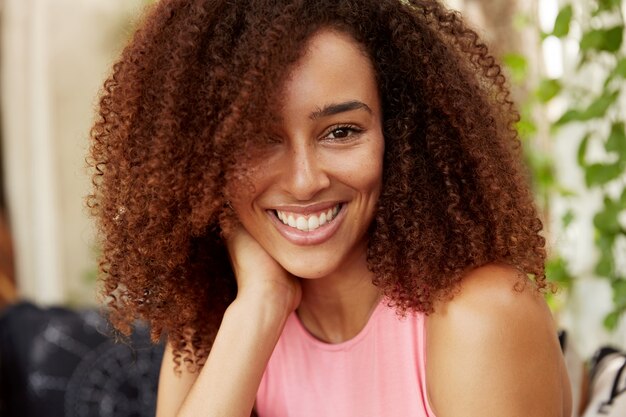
(306, 175)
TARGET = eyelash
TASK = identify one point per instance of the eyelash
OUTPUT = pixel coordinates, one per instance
(352, 131)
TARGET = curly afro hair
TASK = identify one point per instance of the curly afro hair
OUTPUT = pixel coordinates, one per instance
(192, 89)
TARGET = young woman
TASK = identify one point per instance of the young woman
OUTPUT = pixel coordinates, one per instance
(320, 204)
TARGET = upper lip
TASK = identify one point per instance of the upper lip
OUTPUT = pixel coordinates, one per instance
(308, 209)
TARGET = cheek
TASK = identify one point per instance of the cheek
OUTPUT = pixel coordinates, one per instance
(364, 169)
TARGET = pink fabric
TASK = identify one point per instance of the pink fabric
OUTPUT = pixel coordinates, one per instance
(379, 372)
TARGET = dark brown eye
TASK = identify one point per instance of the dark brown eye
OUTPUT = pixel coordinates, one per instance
(340, 133)
(343, 132)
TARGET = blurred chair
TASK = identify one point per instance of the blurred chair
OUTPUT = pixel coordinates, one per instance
(58, 362)
(607, 388)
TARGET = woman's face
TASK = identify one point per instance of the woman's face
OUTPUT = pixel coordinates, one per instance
(317, 183)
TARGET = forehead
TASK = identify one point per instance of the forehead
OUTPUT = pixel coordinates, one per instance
(335, 68)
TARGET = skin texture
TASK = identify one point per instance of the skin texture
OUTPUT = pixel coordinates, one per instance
(493, 348)
(206, 128)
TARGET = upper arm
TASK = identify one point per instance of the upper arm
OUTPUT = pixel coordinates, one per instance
(173, 386)
(493, 350)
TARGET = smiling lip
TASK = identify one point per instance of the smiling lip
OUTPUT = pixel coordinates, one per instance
(312, 237)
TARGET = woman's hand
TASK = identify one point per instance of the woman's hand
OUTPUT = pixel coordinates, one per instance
(250, 328)
(258, 274)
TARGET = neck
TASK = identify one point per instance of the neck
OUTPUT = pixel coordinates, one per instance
(337, 307)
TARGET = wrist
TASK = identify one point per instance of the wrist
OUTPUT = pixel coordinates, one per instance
(281, 294)
(263, 303)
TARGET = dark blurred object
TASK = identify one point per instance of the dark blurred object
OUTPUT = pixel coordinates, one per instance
(607, 389)
(563, 339)
(59, 362)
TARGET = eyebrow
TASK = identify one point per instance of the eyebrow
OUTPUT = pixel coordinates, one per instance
(336, 108)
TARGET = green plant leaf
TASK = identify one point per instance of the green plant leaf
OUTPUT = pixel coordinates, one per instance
(571, 115)
(592, 40)
(611, 320)
(548, 89)
(597, 108)
(605, 242)
(582, 151)
(604, 267)
(606, 220)
(568, 218)
(562, 22)
(557, 271)
(609, 39)
(618, 71)
(565, 192)
(543, 170)
(605, 5)
(619, 292)
(600, 174)
(617, 140)
(600, 105)
(620, 68)
(517, 65)
(606, 264)
(526, 128)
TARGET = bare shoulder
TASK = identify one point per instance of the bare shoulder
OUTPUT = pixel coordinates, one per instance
(495, 289)
(493, 350)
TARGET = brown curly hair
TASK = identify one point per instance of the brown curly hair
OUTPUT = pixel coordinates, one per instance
(193, 89)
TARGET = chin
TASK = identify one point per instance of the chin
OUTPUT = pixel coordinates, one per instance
(308, 270)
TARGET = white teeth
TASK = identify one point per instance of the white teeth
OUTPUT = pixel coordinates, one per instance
(302, 224)
(309, 223)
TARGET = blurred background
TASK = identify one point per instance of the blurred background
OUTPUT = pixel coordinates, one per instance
(54, 57)
(566, 64)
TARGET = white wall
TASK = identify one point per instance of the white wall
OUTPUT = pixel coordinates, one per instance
(55, 56)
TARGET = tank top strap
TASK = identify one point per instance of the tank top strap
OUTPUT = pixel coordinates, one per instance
(422, 360)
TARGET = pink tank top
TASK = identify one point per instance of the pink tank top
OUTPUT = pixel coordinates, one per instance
(379, 372)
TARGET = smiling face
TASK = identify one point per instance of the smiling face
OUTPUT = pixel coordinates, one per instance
(316, 186)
